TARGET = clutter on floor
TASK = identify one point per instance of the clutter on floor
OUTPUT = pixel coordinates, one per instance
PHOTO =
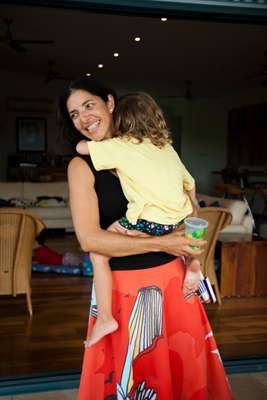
(46, 259)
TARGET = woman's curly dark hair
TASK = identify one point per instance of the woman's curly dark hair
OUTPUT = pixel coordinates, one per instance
(138, 116)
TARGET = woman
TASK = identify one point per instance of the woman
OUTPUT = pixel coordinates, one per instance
(164, 348)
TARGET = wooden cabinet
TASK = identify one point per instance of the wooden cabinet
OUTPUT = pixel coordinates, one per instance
(36, 174)
(244, 268)
(30, 167)
(247, 136)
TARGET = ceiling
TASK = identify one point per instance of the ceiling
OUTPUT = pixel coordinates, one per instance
(217, 57)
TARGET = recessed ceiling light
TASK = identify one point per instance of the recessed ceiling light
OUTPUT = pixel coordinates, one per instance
(116, 54)
(137, 39)
(88, 74)
(163, 19)
(100, 65)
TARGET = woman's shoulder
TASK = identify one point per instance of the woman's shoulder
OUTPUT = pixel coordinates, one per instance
(81, 161)
(80, 165)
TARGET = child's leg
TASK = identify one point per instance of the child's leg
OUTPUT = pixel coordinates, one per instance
(105, 323)
(192, 276)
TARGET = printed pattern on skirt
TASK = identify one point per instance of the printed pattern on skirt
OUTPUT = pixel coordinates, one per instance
(164, 348)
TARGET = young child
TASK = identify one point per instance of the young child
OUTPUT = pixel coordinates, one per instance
(159, 189)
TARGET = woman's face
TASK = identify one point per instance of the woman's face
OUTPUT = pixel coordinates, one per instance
(91, 115)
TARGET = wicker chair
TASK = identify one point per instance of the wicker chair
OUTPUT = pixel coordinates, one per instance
(218, 219)
(18, 230)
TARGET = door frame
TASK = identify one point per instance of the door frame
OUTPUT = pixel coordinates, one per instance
(225, 11)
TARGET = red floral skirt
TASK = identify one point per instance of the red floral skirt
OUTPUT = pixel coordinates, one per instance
(164, 348)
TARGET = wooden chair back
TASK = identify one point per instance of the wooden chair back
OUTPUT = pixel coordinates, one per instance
(218, 218)
(18, 230)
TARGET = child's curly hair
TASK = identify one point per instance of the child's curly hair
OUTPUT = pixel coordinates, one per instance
(138, 116)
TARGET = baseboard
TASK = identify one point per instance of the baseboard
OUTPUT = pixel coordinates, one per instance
(39, 383)
(70, 380)
(250, 365)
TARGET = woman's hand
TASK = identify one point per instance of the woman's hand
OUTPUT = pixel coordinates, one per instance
(175, 243)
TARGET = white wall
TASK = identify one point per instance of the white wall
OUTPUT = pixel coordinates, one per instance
(204, 143)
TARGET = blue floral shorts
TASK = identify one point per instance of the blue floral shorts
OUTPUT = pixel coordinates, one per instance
(151, 228)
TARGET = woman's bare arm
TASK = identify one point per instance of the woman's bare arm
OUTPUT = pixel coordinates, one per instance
(85, 214)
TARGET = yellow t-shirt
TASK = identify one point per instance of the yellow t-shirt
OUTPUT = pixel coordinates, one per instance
(153, 179)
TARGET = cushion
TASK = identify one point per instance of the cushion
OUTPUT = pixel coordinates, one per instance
(234, 229)
(238, 209)
(21, 203)
(10, 190)
(51, 212)
(46, 201)
(5, 203)
(32, 190)
(215, 204)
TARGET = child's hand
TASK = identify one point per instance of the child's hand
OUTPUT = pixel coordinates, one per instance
(118, 228)
(82, 147)
(191, 282)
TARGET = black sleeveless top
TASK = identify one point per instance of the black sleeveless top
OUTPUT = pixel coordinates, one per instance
(112, 206)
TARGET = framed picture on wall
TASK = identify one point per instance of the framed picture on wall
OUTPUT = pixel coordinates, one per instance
(31, 134)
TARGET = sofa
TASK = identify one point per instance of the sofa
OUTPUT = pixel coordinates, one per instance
(49, 201)
(242, 222)
(55, 211)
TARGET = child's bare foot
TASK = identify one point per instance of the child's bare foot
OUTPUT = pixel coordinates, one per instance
(191, 282)
(101, 329)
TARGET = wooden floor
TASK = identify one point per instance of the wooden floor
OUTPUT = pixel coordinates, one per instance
(52, 341)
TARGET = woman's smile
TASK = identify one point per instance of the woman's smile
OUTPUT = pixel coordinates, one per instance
(94, 126)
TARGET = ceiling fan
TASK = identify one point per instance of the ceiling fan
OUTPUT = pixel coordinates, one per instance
(52, 74)
(17, 44)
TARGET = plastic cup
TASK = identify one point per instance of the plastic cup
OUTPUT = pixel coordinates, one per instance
(195, 228)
